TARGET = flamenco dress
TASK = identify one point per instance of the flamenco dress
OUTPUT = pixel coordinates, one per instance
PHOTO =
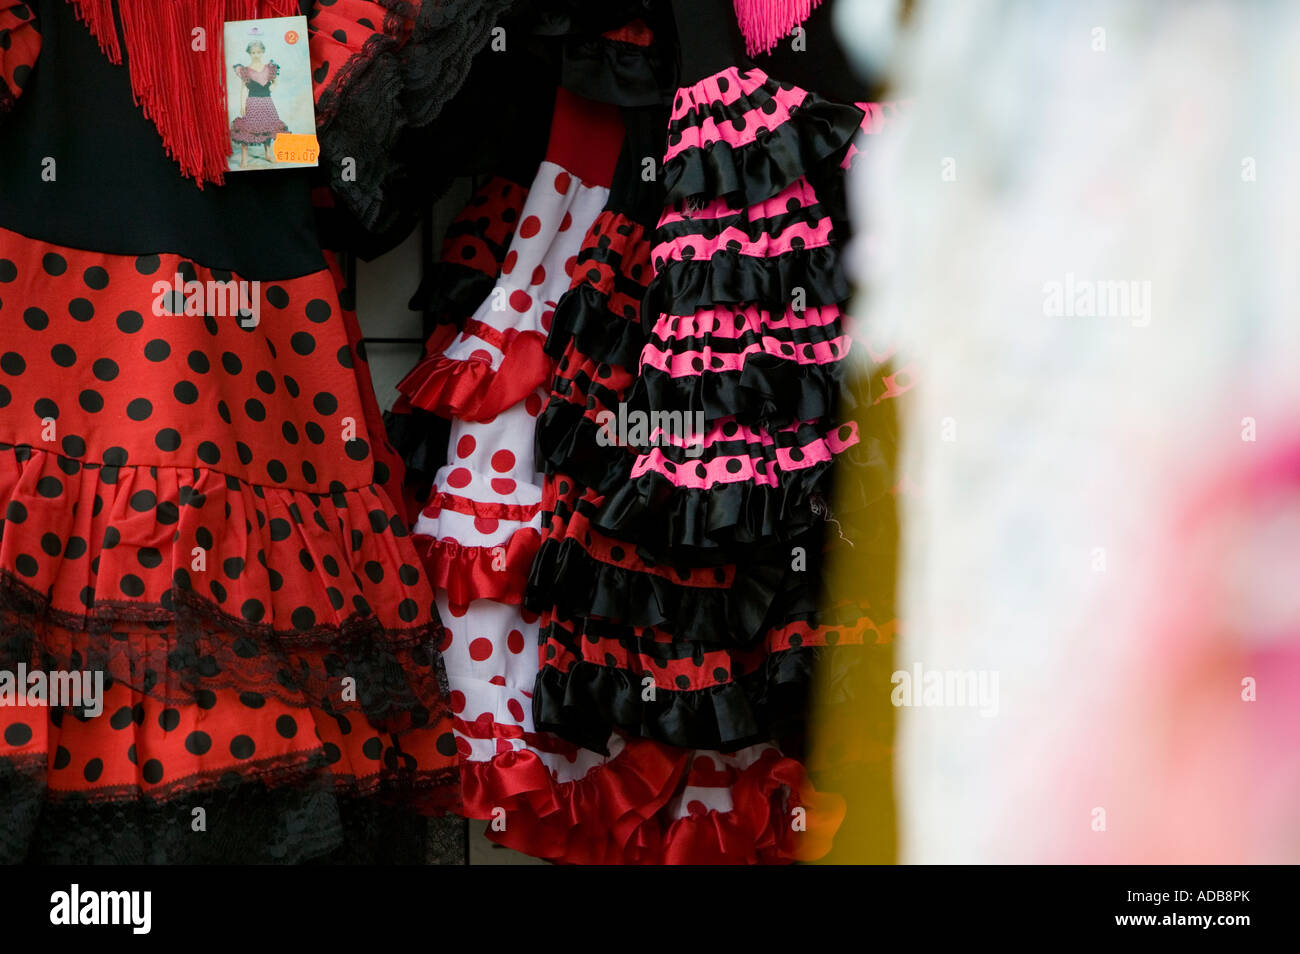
(727, 635)
(686, 586)
(589, 585)
(260, 122)
(198, 505)
(479, 529)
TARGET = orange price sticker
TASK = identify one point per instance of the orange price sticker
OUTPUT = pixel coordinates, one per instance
(291, 37)
(296, 147)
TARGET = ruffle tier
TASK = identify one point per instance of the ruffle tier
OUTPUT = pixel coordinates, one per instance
(630, 66)
(652, 805)
(810, 277)
(597, 677)
(473, 389)
(748, 489)
(742, 134)
(745, 363)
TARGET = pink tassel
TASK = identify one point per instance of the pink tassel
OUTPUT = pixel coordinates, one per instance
(765, 23)
(180, 89)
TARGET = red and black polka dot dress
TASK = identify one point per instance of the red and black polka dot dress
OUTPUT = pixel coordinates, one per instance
(198, 508)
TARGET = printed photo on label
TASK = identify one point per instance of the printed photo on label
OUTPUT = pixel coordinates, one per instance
(269, 94)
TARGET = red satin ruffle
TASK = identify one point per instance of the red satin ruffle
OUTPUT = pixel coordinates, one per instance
(605, 817)
(762, 827)
(617, 813)
(468, 573)
(471, 390)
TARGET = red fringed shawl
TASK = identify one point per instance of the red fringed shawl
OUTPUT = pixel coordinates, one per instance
(176, 79)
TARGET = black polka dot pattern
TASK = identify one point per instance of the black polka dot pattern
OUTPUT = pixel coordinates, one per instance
(138, 481)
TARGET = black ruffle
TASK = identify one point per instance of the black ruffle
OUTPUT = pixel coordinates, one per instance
(769, 391)
(567, 443)
(192, 647)
(357, 116)
(569, 580)
(729, 278)
(817, 130)
(584, 704)
(625, 74)
(449, 293)
(718, 525)
(420, 438)
(582, 318)
(305, 819)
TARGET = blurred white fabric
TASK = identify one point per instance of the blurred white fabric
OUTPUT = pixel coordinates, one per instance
(1089, 521)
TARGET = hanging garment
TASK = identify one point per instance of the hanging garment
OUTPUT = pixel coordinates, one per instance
(198, 504)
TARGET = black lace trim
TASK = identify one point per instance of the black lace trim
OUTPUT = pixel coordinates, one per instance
(387, 90)
(397, 13)
(300, 815)
(189, 646)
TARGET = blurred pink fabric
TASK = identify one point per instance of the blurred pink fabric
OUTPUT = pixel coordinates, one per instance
(1107, 506)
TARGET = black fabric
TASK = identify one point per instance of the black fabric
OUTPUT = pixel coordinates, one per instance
(116, 190)
(817, 130)
(303, 820)
(420, 438)
(567, 578)
(710, 39)
(821, 65)
(684, 287)
(625, 74)
(450, 292)
(630, 192)
(715, 526)
(768, 391)
(557, 18)
(585, 703)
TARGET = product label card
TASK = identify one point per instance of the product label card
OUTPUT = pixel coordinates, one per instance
(269, 95)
